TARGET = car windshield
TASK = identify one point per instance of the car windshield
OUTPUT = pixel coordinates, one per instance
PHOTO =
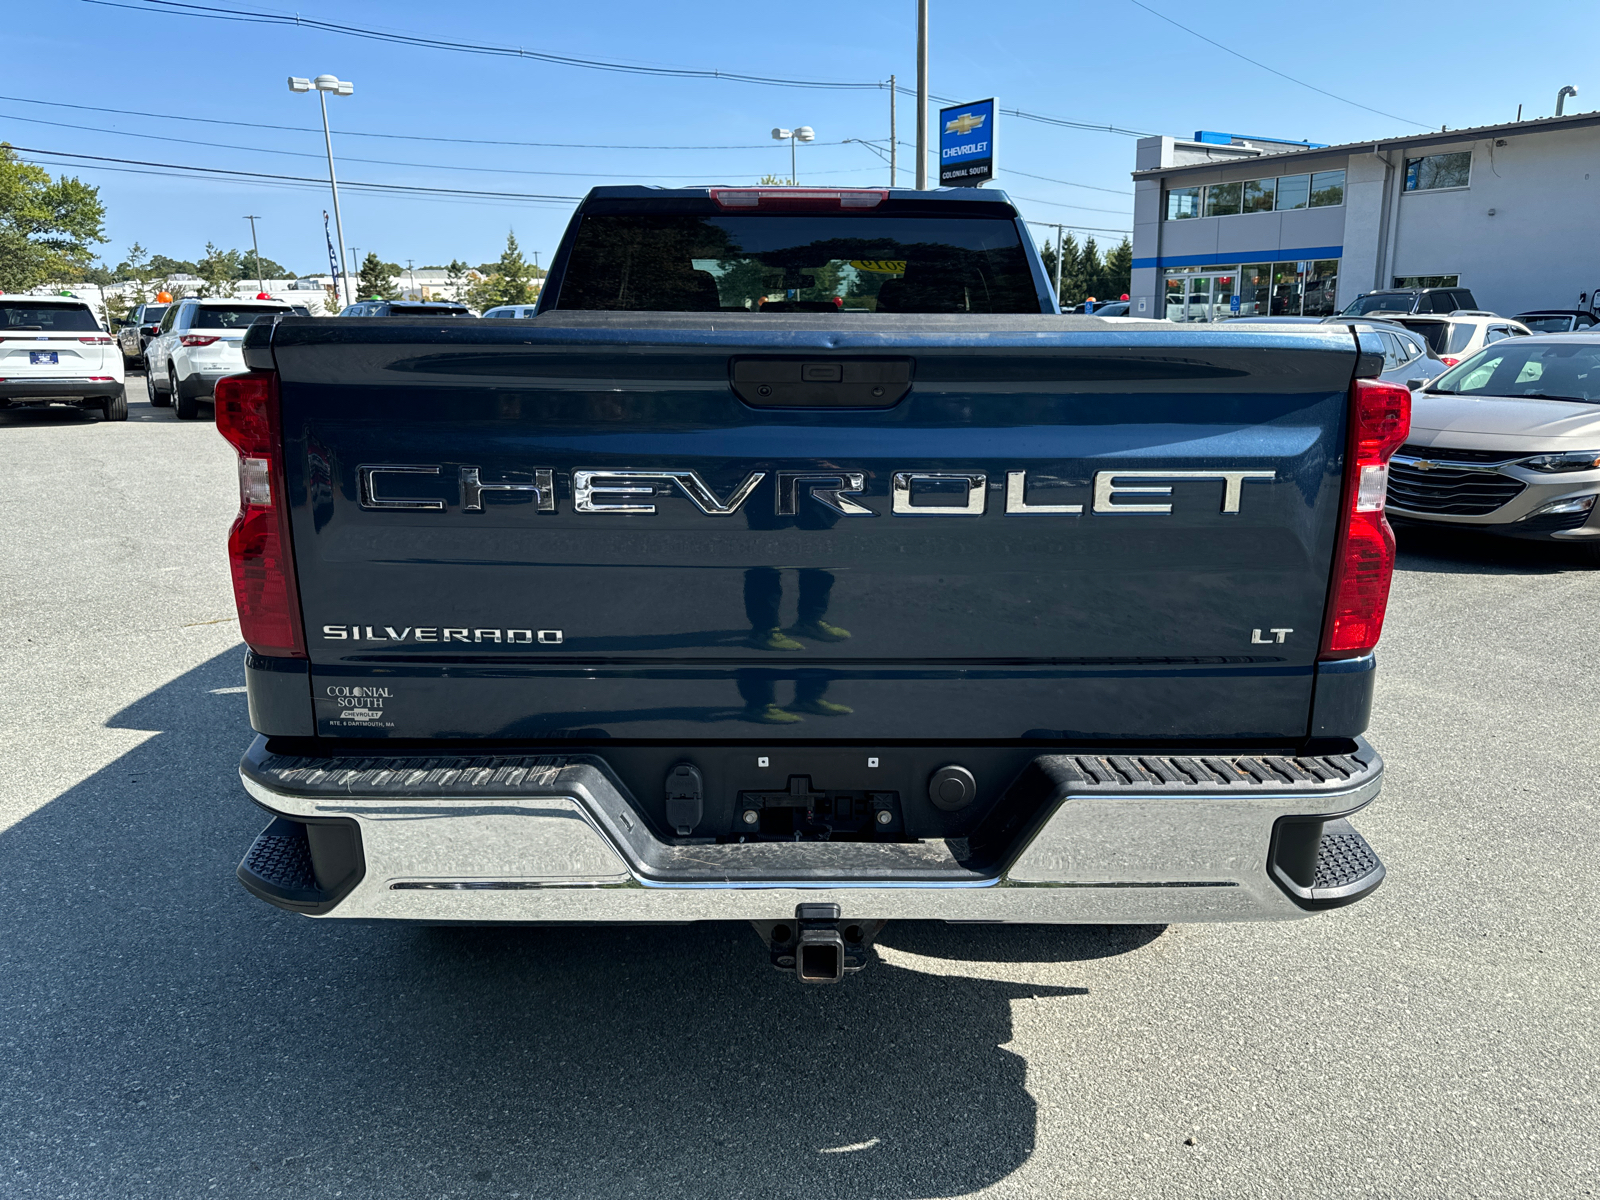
(1556, 324)
(1372, 304)
(231, 316)
(798, 263)
(1565, 370)
(47, 318)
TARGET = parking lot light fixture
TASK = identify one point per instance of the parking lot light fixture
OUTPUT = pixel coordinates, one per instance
(323, 84)
(800, 133)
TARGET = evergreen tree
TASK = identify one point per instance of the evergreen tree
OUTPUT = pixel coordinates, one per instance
(1119, 270)
(218, 269)
(456, 277)
(509, 282)
(376, 281)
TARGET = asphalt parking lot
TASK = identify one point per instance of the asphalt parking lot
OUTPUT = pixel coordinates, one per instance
(163, 1034)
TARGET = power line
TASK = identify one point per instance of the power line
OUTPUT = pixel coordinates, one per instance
(404, 137)
(211, 12)
(414, 189)
(1065, 182)
(214, 13)
(1274, 70)
(382, 162)
(1053, 224)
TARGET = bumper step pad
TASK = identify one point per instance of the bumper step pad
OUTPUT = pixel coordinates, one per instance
(1347, 869)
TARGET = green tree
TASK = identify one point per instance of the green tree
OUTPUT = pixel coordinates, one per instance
(162, 266)
(456, 277)
(218, 269)
(1119, 270)
(377, 279)
(510, 280)
(46, 225)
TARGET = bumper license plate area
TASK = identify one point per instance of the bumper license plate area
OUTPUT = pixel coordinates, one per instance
(801, 813)
(44, 358)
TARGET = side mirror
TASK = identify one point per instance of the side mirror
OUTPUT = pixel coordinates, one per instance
(1414, 384)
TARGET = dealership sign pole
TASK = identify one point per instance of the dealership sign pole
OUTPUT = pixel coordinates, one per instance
(966, 144)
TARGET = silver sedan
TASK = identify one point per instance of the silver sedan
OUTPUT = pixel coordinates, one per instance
(1508, 442)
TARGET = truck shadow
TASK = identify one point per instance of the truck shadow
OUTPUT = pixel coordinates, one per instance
(162, 1026)
(1453, 552)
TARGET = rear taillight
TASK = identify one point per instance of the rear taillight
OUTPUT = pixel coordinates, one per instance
(95, 341)
(197, 339)
(1448, 361)
(259, 548)
(798, 199)
(1363, 557)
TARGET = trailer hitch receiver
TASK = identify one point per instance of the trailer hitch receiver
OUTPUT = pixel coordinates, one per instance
(819, 945)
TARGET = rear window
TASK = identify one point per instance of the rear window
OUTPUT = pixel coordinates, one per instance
(153, 314)
(1443, 337)
(798, 263)
(1547, 324)
(1559, 370)
(1370, 304)
(47, 318)
(231, 316)
(423, 310)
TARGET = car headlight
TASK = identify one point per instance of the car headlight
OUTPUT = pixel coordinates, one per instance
(1573, 460)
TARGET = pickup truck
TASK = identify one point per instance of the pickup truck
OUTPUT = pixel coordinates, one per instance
(798, 563)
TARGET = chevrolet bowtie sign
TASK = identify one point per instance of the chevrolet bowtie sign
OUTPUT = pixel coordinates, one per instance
(966, 144)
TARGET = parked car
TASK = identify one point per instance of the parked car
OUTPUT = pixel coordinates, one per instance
(1107, 308)
(198, 343)
(1408, 359)
(1411, 300)
(512, 310)
(1460, 335)
(1508, 442)
(1558, 320)
(135, 333)
(54, 351)
(406, 308)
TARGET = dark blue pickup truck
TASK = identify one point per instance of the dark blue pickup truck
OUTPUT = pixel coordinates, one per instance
(800, 564)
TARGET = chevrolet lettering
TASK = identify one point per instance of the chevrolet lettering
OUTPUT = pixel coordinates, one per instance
(633, 492)
(800, 564)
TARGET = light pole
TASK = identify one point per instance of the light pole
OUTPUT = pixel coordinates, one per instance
(255, 247)
(894, 137)
(339, 87)
(801, 133)
(922, 95)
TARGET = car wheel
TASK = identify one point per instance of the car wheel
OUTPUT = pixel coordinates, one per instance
(187, 407)
(151, 391)
(115, 408)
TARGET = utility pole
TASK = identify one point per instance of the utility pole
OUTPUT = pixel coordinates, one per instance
(355, 258)
(922, 95)
(341, 87)
(894, 139)
(255, 247)
(412, 275)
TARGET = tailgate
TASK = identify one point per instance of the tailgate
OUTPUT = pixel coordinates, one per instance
(579, 528)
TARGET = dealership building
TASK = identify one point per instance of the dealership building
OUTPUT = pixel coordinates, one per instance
(1229, 225)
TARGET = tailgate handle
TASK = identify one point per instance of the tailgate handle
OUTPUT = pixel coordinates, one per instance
(773, 382)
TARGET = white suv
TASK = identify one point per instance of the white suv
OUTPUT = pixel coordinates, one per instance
(200, 341)
(53, 351)
(1460, 335)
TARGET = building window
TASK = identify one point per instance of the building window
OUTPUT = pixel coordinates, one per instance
(1183, 203)
(1255, 289)
(1320, 190)
(1322, 288)
(1288, 288)
(1327, 188)
(1258, 195)
(1222, 199)
(1427, 281)
(1294, 191)
(1438, 171)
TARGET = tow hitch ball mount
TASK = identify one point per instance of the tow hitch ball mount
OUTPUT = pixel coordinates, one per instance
(819, 946)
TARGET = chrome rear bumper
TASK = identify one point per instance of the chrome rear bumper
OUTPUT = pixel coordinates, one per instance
(555, 839)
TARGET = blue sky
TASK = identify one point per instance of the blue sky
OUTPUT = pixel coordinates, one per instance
(1110, 62)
